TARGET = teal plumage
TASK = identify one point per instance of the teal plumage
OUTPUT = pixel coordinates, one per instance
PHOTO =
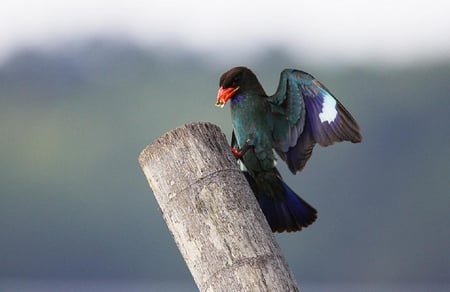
(301, 113)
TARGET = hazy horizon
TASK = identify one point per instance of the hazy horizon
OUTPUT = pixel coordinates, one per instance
(321, 31)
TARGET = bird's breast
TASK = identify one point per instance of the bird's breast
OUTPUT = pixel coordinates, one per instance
(250, 120)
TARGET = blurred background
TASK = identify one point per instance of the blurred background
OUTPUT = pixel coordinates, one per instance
(85, 86)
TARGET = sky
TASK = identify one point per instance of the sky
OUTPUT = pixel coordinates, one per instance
(391, 31)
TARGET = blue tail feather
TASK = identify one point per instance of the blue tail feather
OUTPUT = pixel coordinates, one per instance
(286, 212)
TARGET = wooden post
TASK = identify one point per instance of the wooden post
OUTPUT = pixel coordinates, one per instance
(212, 213)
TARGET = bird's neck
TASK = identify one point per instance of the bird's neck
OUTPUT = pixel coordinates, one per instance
(237, 99)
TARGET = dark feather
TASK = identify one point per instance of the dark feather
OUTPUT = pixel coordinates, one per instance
(305, 113)
(288, 212)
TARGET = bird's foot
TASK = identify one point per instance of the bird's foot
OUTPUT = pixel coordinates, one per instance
(238, 153)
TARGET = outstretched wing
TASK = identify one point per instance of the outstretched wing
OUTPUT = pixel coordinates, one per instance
(305, 113)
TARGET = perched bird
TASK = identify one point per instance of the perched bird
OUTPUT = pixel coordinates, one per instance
(301, 113)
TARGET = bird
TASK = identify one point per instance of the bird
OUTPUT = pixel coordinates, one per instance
(300, 114)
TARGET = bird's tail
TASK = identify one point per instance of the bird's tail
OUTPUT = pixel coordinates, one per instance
(284, 211)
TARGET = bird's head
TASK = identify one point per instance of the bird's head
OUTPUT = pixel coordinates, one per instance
(237, 79)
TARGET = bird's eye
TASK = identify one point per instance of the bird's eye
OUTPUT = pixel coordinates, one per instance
(235, 81)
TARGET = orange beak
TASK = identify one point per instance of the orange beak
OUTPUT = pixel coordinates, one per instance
(225, 94)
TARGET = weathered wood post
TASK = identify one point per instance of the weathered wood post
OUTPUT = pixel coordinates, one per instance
(212, 213)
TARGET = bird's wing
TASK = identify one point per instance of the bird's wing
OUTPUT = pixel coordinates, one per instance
(304, 112)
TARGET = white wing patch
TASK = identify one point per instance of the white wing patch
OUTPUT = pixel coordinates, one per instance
(329, 111)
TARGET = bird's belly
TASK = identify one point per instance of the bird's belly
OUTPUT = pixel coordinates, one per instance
(248, 130)
(256, 134)
(249, 122)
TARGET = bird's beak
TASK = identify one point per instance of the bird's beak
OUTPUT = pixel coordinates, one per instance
(225, 94)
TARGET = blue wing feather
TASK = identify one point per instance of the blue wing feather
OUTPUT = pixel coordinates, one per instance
(305, 113)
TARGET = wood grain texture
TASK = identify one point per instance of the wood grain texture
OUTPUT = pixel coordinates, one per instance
(212, 213)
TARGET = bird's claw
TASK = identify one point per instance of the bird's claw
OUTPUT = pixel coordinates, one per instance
(238, 153)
